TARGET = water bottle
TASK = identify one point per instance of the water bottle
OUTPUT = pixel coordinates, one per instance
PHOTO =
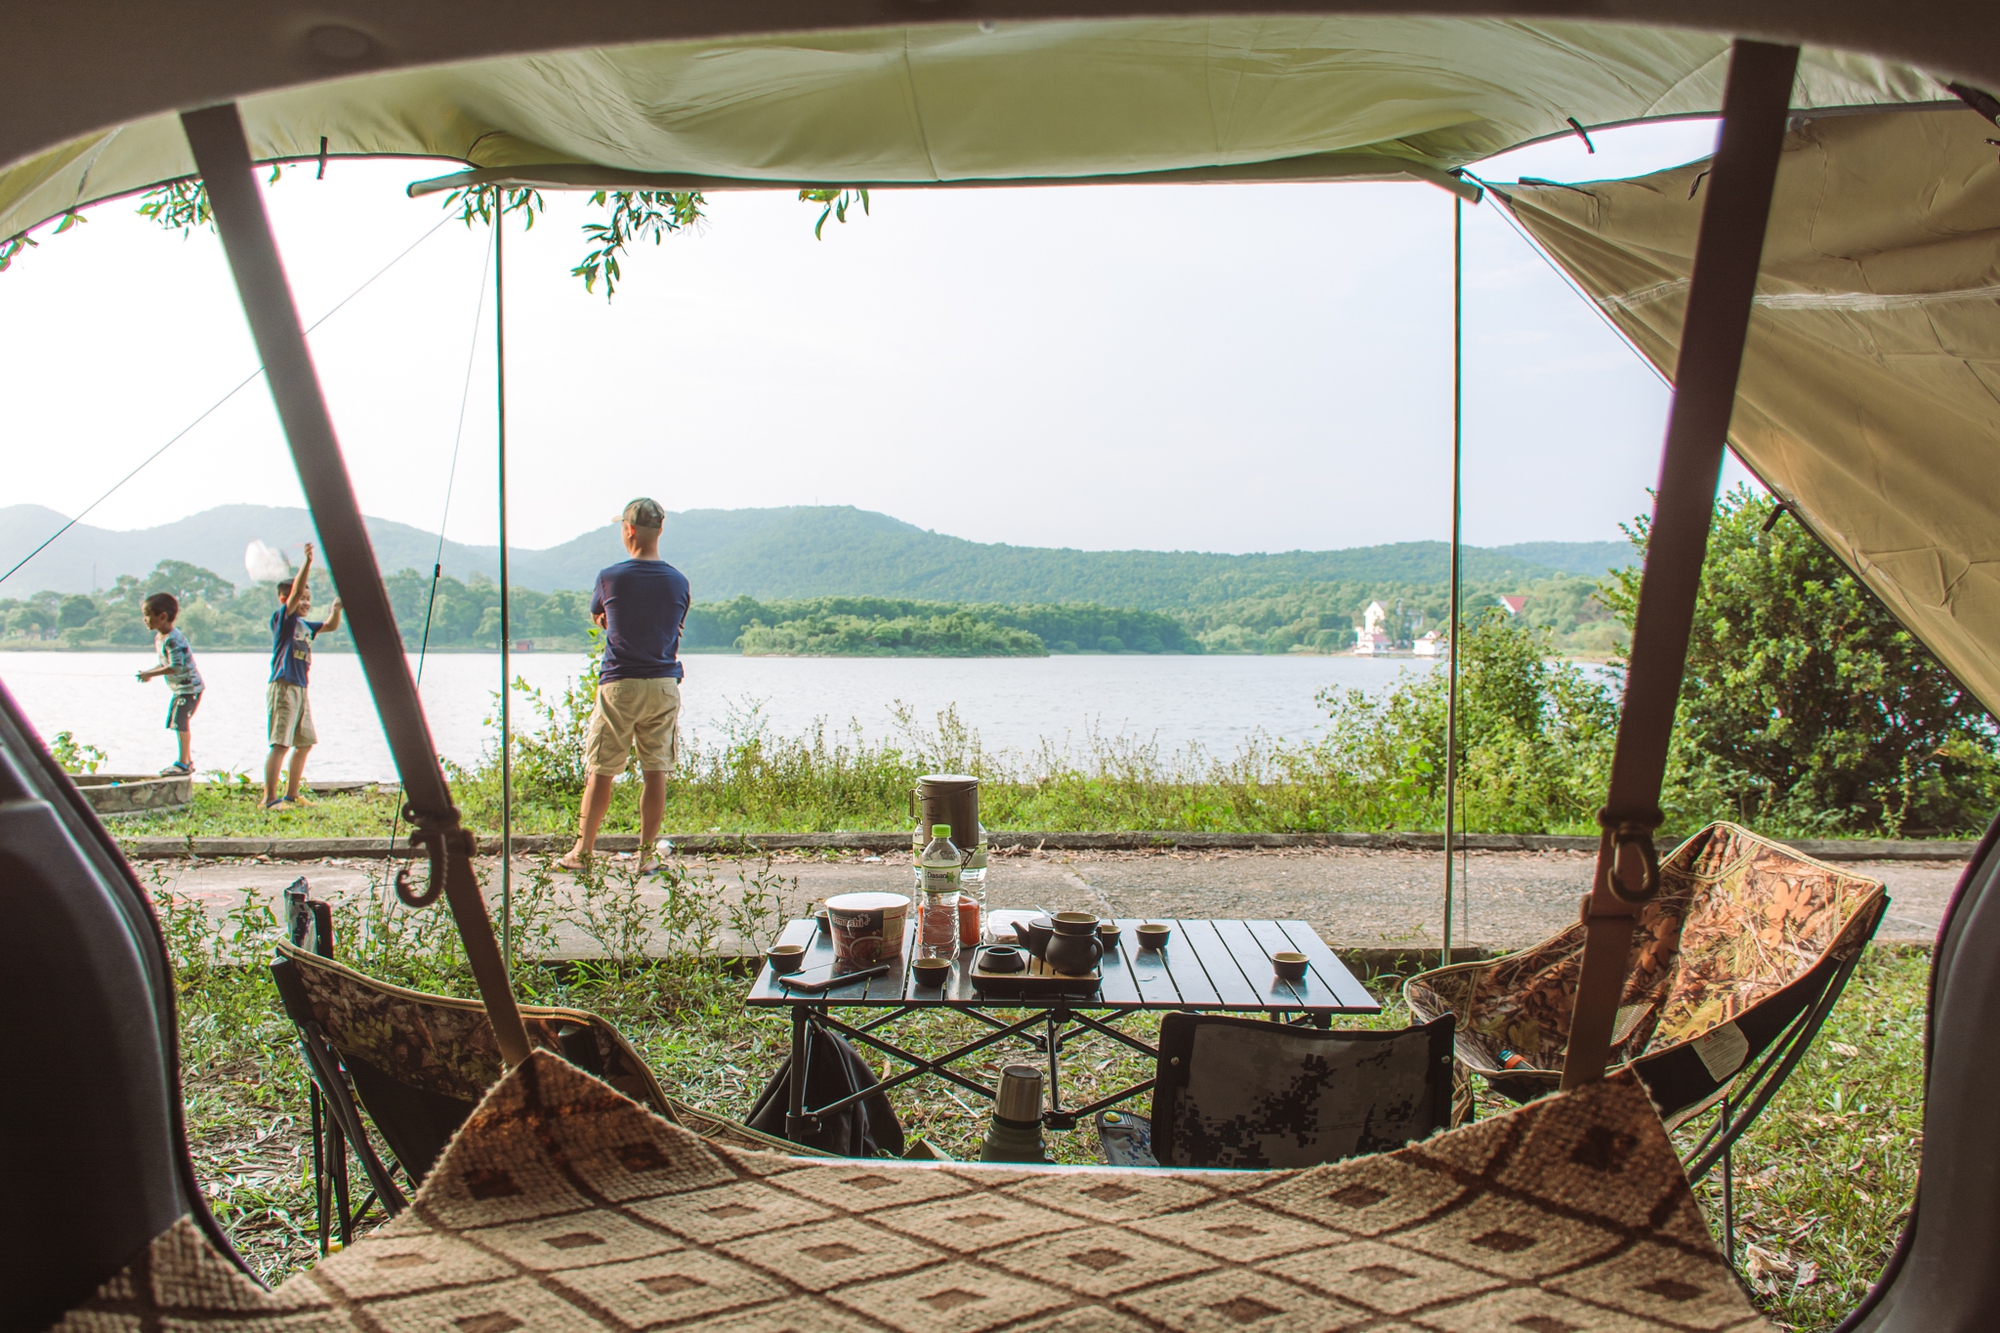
(937, 937)
(1015, 1134)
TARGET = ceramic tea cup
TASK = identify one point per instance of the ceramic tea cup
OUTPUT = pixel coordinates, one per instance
(1108, 932)
(932, 972)
(1154, 935)
(786, 958)
(1002, 958)
(1290, 966)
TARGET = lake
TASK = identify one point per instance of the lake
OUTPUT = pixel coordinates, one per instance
(1015, 703)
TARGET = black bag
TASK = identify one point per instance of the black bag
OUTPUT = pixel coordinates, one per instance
(867, 1128)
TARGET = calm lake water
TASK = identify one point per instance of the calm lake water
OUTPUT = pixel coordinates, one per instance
(1014, 703)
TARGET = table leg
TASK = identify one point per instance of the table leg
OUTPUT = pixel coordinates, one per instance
(796, 1126)
(1055, 1117)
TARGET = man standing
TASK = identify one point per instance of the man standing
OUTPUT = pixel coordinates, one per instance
(641, 605)
(286, 702)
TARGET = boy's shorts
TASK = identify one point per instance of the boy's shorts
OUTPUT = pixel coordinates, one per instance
(179, 709)
(291, 715)
(634, 713)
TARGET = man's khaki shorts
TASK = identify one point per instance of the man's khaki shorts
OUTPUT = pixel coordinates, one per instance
(291, 715)
(644, 714)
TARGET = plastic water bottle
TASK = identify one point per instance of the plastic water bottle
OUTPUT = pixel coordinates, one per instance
(939, 866)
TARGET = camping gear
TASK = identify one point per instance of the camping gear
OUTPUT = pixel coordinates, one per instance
(866, 1126)
(1014, 1132)
(1744, 949)
(1220, 966)
(1243, 1094)
(563, 1207)
(93, 108)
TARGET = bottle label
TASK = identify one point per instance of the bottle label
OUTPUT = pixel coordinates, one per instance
(941, 879)
(977, 861)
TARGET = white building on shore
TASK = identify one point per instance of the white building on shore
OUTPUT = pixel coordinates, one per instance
(1369, 640)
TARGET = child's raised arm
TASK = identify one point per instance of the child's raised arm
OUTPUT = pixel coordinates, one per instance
(300, 584)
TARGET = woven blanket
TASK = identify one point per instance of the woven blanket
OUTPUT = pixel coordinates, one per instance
(562, 1205)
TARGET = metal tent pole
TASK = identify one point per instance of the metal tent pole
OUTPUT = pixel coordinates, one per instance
(1451, 667)
(222, 155)
(506, 627)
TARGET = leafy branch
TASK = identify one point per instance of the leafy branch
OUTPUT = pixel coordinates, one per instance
(635, 215)
(475, 203)
(631, 216)
(178, 206)
(837, 203)
(14, 245)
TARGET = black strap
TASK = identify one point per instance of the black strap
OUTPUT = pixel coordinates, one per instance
(1724, 282)
(222, 155)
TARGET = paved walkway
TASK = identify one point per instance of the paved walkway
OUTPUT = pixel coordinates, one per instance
(1355, 899)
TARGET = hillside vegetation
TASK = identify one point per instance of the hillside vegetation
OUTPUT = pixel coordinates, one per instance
(817, 581)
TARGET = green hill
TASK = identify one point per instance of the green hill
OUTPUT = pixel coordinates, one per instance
(801, 552)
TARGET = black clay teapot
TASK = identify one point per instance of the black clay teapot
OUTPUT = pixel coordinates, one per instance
(1074, 948)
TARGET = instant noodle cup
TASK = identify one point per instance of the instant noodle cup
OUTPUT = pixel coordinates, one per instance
(867, 927)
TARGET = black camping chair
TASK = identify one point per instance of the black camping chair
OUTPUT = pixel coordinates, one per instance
(336, 1126)
(1244, 1094)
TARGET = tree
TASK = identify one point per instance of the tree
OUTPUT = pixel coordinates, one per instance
(77, 610)
(1805, 703)
(188, 583)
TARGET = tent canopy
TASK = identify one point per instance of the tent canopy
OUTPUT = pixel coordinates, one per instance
(1286, 98)
(1870, 393)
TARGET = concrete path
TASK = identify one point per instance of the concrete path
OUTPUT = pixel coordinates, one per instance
(1356, 899)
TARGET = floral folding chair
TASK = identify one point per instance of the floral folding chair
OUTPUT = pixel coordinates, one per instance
(418, 1064)
(1736, 963)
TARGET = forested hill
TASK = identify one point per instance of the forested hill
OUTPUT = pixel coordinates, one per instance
(798, 552)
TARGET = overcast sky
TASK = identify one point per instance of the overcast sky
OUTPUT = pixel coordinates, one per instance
(1239, 368)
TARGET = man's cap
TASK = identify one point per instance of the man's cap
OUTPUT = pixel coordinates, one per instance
(644, 513)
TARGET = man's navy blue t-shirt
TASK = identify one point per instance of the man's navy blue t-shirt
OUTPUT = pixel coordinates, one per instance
(291, 646)
(645, 602)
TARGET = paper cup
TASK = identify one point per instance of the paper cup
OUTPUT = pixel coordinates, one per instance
(867, 927)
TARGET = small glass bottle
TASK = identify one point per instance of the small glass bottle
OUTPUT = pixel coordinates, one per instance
(937, 936)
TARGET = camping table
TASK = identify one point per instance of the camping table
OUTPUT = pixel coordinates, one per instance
(1206, 966)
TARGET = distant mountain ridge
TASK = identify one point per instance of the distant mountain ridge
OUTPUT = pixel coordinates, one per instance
(800, 551)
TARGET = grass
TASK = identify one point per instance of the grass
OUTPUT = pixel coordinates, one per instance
(1823, 1179)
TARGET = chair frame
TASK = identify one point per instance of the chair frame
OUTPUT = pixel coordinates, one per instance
(336, 1124)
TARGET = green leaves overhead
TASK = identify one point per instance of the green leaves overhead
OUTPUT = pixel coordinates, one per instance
(633, 215)
(837, 203)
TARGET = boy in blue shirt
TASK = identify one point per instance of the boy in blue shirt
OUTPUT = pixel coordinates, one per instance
(291, 662)
(177, 665)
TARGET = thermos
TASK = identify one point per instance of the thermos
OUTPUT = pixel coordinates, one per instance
(1015, 1134)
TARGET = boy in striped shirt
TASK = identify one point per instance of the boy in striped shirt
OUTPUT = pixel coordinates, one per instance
(177, 665)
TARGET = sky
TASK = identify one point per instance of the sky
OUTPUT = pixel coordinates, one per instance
(1220, 368)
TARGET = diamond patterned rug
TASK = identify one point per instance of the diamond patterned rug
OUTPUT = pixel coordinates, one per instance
(563, 1206)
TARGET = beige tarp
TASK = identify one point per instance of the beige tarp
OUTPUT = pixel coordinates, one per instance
(1256, 98)
(1870, 396)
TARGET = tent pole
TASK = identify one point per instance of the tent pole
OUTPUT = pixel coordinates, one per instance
(506, 634)
(1451, 667)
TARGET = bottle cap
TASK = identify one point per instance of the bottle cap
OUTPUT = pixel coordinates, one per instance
(940, 830)
(1020, 1095)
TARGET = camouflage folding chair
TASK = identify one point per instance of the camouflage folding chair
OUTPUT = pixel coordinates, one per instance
(1735, 964)
(418, 1064)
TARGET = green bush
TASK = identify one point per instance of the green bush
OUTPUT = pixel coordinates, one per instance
(1805, 704)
